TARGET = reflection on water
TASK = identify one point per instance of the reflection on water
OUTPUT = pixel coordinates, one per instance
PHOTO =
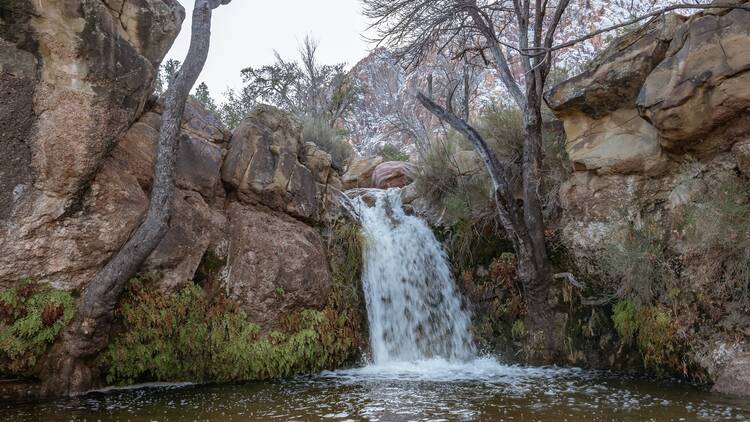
(431, 390)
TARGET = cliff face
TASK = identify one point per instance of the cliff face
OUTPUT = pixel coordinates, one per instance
(79, 135)
(657, 212)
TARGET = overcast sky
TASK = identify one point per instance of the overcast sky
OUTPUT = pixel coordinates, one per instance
(245, 33)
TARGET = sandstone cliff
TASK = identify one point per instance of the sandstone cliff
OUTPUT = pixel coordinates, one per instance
(656, 213)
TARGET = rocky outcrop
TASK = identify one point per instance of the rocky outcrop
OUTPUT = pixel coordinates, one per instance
(604, 131)
(75, 75)
(702, 86)
(393, 174)
(269, 164)
(657, 132)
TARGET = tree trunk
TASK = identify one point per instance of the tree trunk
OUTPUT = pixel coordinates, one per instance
(524, 228)
(69, 369)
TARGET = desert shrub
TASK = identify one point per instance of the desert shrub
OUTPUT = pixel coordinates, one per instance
(195, 336)
(328, 139)
(31, 317)
(392, 153)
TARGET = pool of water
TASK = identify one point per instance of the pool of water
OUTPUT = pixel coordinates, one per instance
(424, 391)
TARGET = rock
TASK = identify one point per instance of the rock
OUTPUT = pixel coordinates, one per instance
(409, 193)
(318, 161)
(615, 77)
(741, 152)
(735, 379)
(276, 265)
(74, 75)
(193, 228)
(604, 131)
(263, 164)
(703, 83)
(92, 78)
(619, 142)
(392, 174)
(359, 173)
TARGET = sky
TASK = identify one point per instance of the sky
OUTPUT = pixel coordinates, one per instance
(246, 32)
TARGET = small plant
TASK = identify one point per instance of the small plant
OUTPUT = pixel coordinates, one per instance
(328, 139)
(625, 320)
(31, 317)
(518, 330)
(392, 153)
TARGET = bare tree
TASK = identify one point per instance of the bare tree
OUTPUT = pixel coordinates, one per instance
(526, 29)
(70, 371)
(306, 89)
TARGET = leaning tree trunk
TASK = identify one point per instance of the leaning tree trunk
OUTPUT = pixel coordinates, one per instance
(523, 226)
(69, 370)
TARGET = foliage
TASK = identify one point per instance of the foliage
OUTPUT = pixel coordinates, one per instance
(328, 139)
(655, 333)
(166, 75)
(203, 96)
(235, 108)
(31, 317)
(195, 335)
(392, 153)
(455, 181)
(304, 88)
(624, 317)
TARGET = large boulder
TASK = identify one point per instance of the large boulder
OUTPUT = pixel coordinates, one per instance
(703, 83)
(359, 172)
(393, 174)
(275, 264)
(264, 164)
(735, 378)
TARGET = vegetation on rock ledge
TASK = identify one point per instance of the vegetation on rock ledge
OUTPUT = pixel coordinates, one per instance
(31, 317)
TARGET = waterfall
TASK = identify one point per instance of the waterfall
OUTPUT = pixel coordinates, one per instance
(413, 307)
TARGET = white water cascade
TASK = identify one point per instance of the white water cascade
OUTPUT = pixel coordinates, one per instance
(414, 310)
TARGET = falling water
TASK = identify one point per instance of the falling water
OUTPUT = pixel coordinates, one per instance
(414, 310)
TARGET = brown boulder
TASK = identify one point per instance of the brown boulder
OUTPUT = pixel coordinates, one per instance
(264, 164)
(392, 174)
(275, 264)
(735, 379)
(359, 173)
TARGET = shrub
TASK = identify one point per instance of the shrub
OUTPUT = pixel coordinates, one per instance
(392, 153)
(624, 318)
(328, 139)
(462, 191)
(194, 336)
(31, 317)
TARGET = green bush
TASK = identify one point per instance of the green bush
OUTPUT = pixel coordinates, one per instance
(328, 139)
(624, 318)
(391, 153)
(31, 317)
(196, 336)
